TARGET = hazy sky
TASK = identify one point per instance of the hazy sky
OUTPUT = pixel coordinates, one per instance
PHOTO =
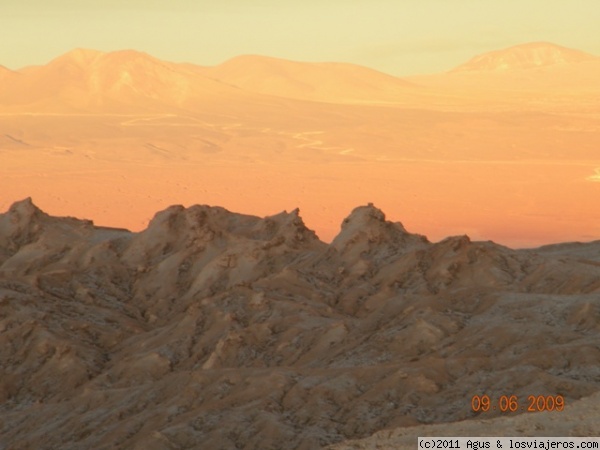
(401, 37)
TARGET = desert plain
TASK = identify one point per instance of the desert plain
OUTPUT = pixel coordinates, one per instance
(497, 148)
(296, 255)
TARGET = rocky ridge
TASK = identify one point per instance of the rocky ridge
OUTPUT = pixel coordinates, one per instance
(212, 329)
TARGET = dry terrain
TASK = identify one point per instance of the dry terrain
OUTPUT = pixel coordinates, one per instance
(502, 148)
(211, 329)
(581, 418)
(199, 327)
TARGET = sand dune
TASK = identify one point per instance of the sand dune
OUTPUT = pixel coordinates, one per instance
(216, 329)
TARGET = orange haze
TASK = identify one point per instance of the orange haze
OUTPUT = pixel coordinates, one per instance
(504, 147)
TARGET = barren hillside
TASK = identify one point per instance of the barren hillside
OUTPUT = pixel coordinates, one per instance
(211, 329)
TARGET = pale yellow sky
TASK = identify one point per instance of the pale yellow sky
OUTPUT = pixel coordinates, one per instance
(401, 37)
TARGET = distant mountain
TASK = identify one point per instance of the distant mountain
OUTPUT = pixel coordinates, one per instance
(309, 81)
(534, 75)
(5, 73)
(525, 56)
(128, 80)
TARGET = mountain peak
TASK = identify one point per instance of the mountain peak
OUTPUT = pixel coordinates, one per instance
(366, 226)
(6, 73)
(93, 59)
(122, 56)
(79, 56)
(25, 209)
(525, 56)
(20, 225)
(364, 215)
(291, 227)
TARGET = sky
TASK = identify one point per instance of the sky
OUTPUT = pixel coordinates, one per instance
(400, 37)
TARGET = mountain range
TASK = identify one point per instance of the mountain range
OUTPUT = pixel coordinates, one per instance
(131, 81)
(199, 327)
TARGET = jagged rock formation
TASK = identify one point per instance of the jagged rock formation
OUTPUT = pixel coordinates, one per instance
(211, 329)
